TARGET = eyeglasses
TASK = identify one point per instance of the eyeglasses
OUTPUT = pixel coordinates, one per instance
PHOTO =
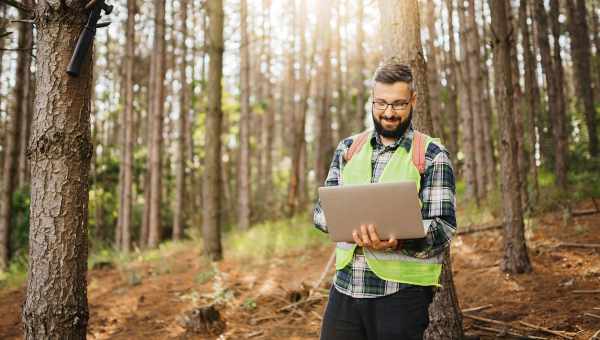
(381, 105)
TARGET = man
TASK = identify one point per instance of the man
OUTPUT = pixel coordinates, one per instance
(382, 289)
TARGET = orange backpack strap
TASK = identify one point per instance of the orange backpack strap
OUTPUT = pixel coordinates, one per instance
(357, 144)
(419, 144)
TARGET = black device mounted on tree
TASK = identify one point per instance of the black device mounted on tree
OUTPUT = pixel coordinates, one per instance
(86, 38)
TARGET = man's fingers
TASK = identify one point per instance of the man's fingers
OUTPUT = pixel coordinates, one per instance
(392, 243)
(356, 238)
(365, 236)
(373, 236)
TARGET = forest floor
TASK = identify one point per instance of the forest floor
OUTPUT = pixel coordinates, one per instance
(152, 299)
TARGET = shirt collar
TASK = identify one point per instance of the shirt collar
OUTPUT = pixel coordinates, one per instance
(405, 141)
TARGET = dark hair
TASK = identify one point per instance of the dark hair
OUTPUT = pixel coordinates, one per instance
(393, 71)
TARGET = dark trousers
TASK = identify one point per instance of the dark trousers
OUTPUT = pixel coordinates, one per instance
(400, 316)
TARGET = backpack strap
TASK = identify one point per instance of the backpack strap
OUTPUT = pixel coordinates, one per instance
(419, 143)
(357, 144)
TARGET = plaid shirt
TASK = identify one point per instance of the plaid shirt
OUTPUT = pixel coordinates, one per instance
(438, 212)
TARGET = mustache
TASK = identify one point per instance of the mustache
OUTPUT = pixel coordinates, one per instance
(393, 118)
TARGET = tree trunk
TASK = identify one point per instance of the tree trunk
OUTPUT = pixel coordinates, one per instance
(158, 93)
(127, 162)
(596, 38)
(452, 105)
(559, 132)
(244, 165)
(181, 160)
(476, 85)
(268, 121)
(359, 85)
(515, 259)
(324, 140)
(299, 121)
(466, 113)
(580, 51)
(27, 106)
(401, 23)
(532, 93)
(433, 76)
(518, 114)
(17, 111)
(60, 153)
(211, 226)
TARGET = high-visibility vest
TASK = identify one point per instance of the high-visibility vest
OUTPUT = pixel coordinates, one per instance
(403, 166)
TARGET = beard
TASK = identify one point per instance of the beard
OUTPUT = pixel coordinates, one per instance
(393, 133)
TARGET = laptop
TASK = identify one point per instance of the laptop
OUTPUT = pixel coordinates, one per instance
(393, 208)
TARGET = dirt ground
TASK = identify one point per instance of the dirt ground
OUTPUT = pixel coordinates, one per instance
(153, 300)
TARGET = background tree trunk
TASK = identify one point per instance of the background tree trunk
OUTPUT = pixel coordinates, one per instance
(466, 113)
(476, 85)
(532, 93)
(560, 129)
(127, 163)
(26, 30)
(451, 108)
(324, 141)
(154, 222)
(17, 111)
(211, 226)
(60, 153)
(580, 51)
(181, 160)
(244, 160)
(401, 23)
(515, 259)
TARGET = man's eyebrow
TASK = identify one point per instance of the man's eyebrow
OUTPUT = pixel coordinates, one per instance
(394, 102)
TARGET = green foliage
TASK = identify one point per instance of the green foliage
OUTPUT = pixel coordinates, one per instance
(249, 304)
(273, 238)
(21, 201)
(16, 274)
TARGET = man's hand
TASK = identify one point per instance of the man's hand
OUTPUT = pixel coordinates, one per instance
(367, 237)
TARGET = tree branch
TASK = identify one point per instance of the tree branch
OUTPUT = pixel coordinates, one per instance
(17, 5)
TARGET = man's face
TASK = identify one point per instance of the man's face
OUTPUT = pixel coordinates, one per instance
(394, 119)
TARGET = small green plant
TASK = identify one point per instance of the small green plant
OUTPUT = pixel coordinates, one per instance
(249, 304)
(205, 276)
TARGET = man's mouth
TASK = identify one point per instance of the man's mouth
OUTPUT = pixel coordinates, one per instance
(390, 119)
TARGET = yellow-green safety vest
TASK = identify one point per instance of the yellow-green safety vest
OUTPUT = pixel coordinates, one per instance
(403, 166)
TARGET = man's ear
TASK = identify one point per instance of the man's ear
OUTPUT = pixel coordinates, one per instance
(413, 101)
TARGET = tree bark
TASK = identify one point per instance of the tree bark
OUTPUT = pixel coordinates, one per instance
(17, 111)
(515, 259)
(581, 54)
(299, 121)
(518, 108)
(433, 73)
(401, 23)
(211, 226)
(359, 85)
(560, 129)
(60, 153)
(324, 140)
(244, 159)
(158, 93)
(182, 123)
(476, 84)
(27, 106)
(466, 113)
(532, 93)
(128, 145)
(268, 120)
(452, 104)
